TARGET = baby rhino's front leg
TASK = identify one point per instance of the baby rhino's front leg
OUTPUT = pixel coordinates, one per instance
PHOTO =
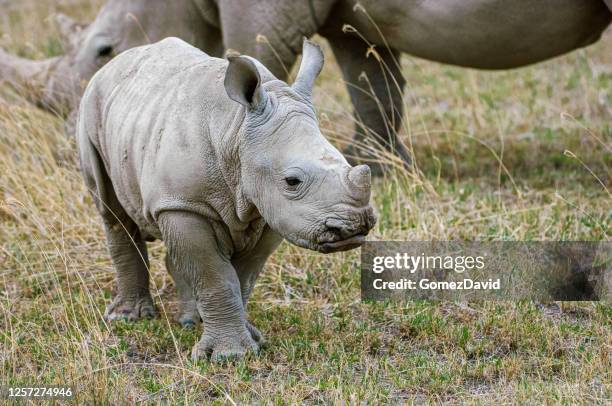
(195, 256)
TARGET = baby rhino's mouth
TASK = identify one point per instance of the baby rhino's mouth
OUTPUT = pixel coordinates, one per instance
(342, 245)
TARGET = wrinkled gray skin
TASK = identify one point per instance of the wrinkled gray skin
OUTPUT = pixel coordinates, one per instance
(220, 161)
(486, 34)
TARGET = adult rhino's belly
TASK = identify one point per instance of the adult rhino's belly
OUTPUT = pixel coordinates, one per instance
(486, 34)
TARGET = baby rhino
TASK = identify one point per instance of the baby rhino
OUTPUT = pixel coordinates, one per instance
(220, 160)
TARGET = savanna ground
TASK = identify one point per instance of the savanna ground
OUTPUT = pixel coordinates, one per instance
(515, 155)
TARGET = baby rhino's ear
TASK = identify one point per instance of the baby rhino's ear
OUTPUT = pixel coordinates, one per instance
(243, 83)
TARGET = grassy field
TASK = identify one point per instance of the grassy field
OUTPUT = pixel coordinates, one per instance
(516, 155)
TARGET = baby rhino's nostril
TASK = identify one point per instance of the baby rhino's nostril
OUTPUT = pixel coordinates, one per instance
(334, 230)
(337, 227)
(332, 223)
(334, 226)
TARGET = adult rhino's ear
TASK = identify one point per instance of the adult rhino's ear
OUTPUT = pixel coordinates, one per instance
(312, 63)
(243, 82)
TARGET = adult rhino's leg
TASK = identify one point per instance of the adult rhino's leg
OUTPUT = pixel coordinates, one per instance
(376, 97)
(270, 30)
(198, 260)
(249, 266)
(275, 55)
(188, 309)
(127, 249)
(609, 4)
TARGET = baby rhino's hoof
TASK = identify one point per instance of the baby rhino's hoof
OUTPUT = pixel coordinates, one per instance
(130, 309)
(189, 317)
(225, 348)
(256, 335)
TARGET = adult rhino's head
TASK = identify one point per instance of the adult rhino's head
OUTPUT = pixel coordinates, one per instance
(301, 185)
(58, 83)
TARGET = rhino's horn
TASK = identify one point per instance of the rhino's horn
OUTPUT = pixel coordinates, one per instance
(312, 63)
(360, 182)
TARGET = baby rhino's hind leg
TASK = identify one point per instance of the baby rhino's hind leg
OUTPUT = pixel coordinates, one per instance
(129, 254)
(125, 244)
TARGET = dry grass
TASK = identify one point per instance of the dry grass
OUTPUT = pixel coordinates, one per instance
(510, 155)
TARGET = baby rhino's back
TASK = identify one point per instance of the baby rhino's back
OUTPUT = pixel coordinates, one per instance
(148, 83)
(145, 113)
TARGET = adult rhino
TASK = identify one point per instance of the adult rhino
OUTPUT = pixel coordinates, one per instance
(485, 34)
(57, 84)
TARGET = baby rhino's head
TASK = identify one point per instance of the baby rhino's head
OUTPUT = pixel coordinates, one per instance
(301, 185)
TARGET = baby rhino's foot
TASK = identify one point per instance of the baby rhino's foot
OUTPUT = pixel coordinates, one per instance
(256, 334)
(189, 318)
(130, 309)
(225, 347)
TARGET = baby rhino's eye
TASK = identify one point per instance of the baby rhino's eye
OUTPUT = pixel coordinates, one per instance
(292, 181)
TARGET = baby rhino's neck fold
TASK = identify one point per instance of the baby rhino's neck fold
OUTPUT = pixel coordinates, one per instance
(226, 144)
